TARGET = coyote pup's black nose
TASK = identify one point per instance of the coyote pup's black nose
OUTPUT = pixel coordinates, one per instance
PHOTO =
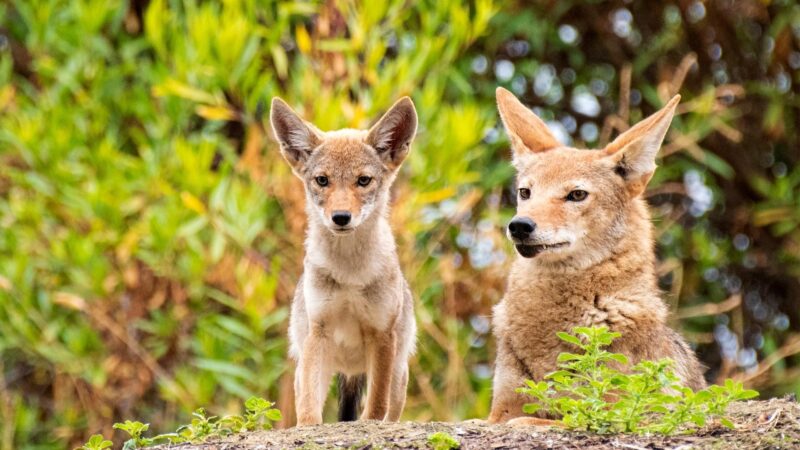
(521, 227)
(341, 218)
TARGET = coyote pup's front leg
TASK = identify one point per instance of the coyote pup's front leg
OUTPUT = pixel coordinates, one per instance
(380, 362)
(310, 386)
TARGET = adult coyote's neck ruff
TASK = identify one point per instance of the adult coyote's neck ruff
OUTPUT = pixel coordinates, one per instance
(352, 313)
(584, 238)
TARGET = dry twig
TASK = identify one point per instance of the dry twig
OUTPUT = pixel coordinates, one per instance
(710, 309)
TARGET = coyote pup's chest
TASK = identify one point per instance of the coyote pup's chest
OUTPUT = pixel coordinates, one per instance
(348, 309)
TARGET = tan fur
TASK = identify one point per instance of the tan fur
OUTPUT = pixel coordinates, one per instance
(604, 272)
(353, 312)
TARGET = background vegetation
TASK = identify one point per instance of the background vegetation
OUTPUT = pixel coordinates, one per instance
(150, 235)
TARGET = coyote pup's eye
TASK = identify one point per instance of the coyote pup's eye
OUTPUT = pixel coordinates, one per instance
(322, 181)
(524, 193)
(577, 196)
(364, 180)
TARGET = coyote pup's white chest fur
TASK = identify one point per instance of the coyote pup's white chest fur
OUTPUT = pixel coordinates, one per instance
(362, 286)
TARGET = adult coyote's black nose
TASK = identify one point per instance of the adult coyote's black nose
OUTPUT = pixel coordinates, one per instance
(521, 228)
(341, 218)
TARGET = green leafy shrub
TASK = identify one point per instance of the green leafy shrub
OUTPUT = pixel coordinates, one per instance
(590, 393)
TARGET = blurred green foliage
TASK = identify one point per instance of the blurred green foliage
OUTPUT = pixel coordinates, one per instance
(150, 235)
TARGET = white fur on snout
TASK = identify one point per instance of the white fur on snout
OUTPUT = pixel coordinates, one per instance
(367, 210)
(355, 219)
(561, 235)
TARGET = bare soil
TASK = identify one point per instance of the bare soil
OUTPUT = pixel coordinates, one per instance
(765, 424)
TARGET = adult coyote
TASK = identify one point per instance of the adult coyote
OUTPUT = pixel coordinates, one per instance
(585, 244)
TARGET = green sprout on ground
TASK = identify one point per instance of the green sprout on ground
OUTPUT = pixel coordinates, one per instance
(589, 393)
(259, 414)
(96, 442)
(442, 441)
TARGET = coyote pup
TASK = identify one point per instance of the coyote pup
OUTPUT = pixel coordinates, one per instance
(585, 241)
(352, 312)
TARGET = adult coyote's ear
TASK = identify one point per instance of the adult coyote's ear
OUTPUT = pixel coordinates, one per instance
(526, 130)
(296, 137)
(391, 136)
(634, 151)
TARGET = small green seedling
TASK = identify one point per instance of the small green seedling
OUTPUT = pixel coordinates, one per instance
(201, 427)
(96, 442)
(590, 393)
(259, 415)
(442, 441)
(136, 431)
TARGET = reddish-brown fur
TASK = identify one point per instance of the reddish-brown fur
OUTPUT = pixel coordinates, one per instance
(604, 271)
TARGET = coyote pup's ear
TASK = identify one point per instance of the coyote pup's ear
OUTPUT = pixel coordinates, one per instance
(527, 131)
(391, 137)
(296, 137)
(634, 151)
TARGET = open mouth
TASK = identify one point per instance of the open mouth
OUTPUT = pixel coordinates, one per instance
(529, 251)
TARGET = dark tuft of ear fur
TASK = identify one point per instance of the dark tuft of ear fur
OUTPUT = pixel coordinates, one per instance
(391, 136)
(296, 137)
(634, 151)
(621, 168)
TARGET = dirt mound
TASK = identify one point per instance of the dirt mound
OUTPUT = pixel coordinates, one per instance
(772, 423)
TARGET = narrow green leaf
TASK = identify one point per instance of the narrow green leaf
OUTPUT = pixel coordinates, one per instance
(569, 338)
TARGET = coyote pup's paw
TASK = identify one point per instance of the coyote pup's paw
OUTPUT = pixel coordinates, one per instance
(533, 421)
(308, 421)
(373, 415)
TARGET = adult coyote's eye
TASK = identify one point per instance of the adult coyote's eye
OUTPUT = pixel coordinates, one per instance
(364, 180)
(524, 193)
(322, 181)
(577, 196)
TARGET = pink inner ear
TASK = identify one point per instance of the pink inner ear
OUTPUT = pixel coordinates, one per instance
(392, 135)
(627, 137)
(522, 125)
(645, 126)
